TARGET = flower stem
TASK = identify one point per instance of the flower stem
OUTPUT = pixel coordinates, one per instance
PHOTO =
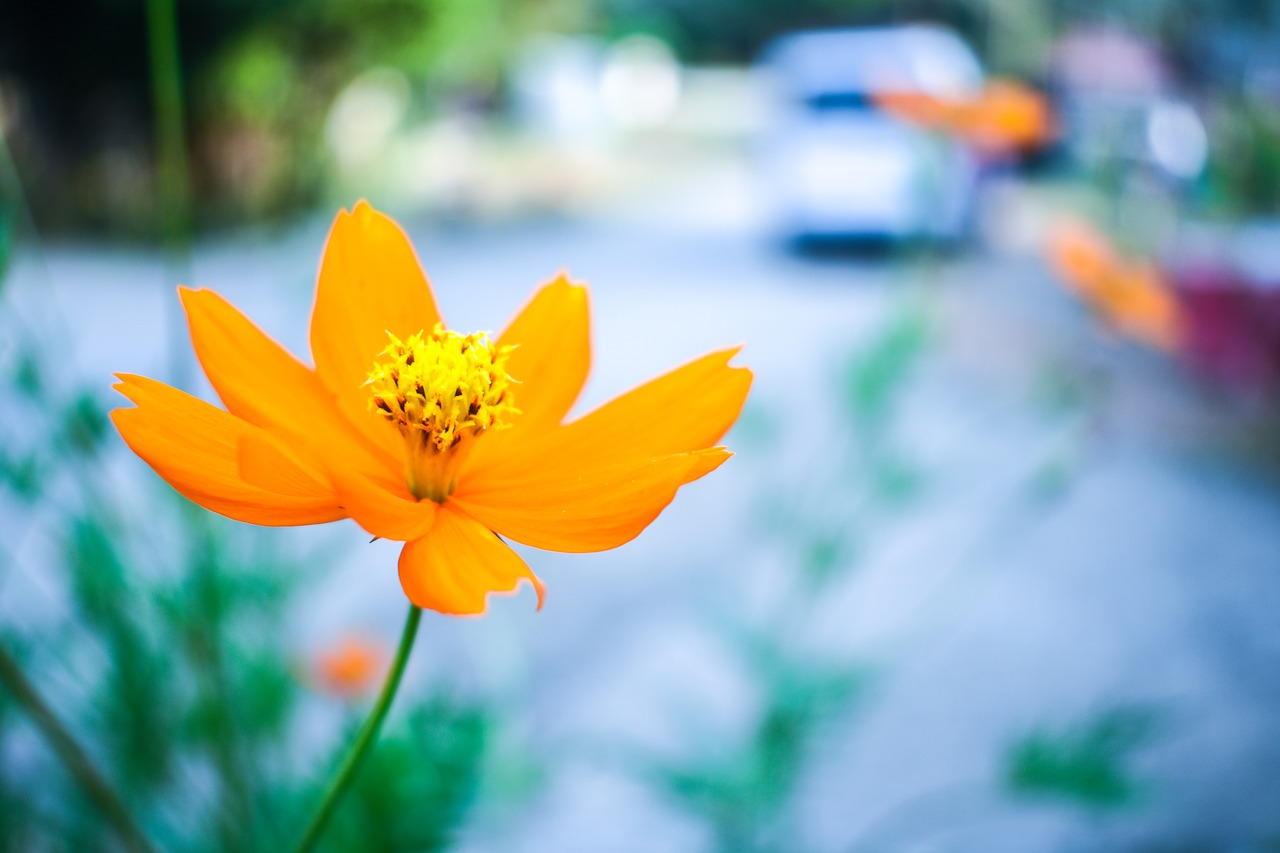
(170, 124)
(173, 181)
(368, 734)
(72, 755)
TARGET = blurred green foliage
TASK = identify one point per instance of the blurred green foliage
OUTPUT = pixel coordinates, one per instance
(874, 381)
(261, 78)
(414, 790)
(874, 377)
(822, 515)
(747, 796)
(747, 790)
(1243, 176)
(1088, 763)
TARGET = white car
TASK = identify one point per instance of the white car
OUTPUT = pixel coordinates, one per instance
(835, 165)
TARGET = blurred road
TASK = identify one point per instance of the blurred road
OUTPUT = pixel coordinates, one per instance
(1062, 553)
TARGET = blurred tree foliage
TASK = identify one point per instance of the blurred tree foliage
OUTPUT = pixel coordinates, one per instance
(260, 77)
(1243, 176)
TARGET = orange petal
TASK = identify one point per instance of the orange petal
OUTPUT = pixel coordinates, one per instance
(690, 408)
(566, 501)
(268, 463)
(552, 356)
(370, 283)
(1081, 256)
(260, 382)
(453, 568)
(388, 513)
(197, 448)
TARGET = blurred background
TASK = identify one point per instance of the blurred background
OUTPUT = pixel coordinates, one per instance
(996, 565)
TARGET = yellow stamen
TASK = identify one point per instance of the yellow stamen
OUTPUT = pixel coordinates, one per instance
(440, 389)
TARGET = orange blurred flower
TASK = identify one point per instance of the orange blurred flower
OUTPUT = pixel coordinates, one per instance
(1132, 297)
(1005, 117)
(422, 435)
(1081, 256)
(351, 667)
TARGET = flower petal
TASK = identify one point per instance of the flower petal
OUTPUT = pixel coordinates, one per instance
(597, 482)
(385, 513)
(570, 502)
(458, 563)
(268, 463)
(689, 408)
(370, 283)
(261, 382)
(197, 447)
(552, 356)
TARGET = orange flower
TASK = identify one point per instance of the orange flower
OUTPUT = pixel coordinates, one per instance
(1081, 257)
(422, 435)
(1132, 297)
(351, 667)
(1006, 116)
(1140, 304)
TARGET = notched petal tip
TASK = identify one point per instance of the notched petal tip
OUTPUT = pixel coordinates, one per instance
(192, 296)
(194, 446)
(730, 352)
(459, 564)
(364, 216)
(118, 417)
(563, 278)
(131, 385)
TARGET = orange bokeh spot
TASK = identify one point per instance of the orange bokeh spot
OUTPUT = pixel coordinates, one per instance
(351, 667)
(1005, 117)
(1132, 297)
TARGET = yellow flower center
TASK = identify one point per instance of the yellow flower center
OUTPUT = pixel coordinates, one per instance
(440, 389)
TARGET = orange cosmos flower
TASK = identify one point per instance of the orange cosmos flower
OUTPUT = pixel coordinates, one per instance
(1081, 257)
(443, 441)
(351, 667)
(1006, 116)
(1139, 303)
(1132, 297)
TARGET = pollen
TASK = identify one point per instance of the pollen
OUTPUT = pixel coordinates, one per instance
(440, 389)
(443, 385)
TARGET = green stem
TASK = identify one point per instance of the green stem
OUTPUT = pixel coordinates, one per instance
(368, 734)
(172, 177)
(72, 755)
(170, 133)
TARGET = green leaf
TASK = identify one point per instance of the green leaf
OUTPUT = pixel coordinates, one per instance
(1086, 763)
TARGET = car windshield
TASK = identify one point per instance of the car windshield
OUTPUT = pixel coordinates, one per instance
(838, 101)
